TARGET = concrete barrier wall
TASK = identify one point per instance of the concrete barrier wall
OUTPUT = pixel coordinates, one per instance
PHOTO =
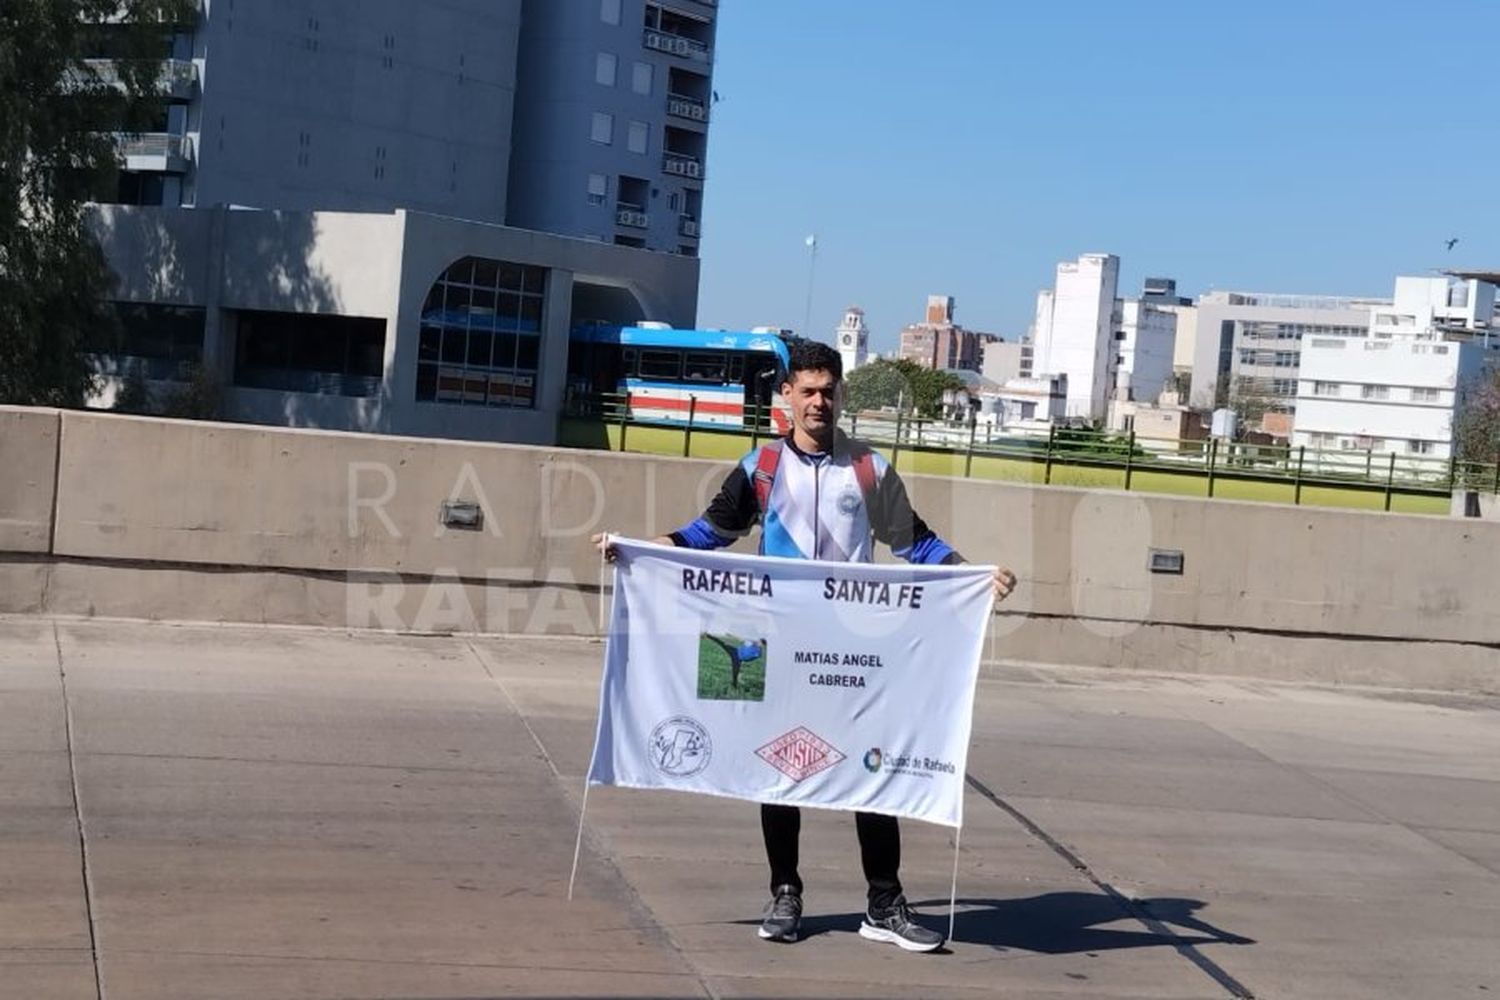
(28, 470)
(170, 519)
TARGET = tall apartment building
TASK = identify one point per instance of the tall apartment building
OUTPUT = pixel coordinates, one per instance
(1073, 333)
(368, 106)
(612, 110)
(1399, 388)
(939, 342)
(1145, 331)
(454, 186)
(1144, 336)
(580, 118)
(1161, 293)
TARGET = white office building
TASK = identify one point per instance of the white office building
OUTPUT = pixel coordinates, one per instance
(1398, 389)
(1144, 339)
(1145, 336)
(1073, 333)
(1251, 342)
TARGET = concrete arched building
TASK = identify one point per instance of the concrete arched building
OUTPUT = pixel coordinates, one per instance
(329, 319)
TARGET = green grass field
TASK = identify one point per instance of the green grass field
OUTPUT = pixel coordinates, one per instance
(729, 446)
(715, 674)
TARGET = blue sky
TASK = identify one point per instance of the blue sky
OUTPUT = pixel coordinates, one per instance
(965, 146)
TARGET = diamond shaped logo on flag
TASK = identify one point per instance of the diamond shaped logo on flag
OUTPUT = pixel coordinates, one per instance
(799, 754)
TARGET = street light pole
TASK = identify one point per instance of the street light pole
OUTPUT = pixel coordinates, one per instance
(812, 263)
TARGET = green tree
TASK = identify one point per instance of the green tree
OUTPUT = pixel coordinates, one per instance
(1251, 404)
(885, 383)
(1477, 423)
(930, 386)
(56, 153)
(874, 385)
(196, 397)
(134, 395)
(1222, 391)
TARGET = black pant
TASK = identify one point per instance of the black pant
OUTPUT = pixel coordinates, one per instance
(879, 850)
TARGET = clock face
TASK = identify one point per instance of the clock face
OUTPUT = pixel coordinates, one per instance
(848, 340)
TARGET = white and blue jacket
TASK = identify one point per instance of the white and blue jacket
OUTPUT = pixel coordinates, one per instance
(816, 510)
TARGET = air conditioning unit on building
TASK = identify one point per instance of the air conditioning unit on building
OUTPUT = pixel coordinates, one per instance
(681, 46)
(695, 111)
(655, 41)
(691, 168)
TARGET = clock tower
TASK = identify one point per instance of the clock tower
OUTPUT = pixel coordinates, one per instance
(853, 339)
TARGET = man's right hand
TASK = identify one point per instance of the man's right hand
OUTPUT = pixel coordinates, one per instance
(607, 549)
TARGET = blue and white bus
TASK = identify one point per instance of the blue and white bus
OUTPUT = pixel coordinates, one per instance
(725, 377)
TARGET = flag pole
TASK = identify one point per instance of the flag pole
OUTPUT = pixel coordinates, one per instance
(958, 834)
(958, 831)
(603, 573)
(578, 842)
(583, 807)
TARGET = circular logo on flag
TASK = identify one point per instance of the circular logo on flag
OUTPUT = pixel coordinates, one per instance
(873, 760)
(848, 502)
(680, 747)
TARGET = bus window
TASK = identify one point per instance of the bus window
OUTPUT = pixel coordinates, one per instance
(737, 368)
(661, 364)
(704, 367)
(627, 363)
(760, 388)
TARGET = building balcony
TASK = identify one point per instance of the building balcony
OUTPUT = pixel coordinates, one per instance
(176, 80)
(630, 215)
(676, 45)
(688, 226)
(687, 107)
(155, 152)
(679, 165)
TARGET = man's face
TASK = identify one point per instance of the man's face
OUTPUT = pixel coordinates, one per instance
(815, 398)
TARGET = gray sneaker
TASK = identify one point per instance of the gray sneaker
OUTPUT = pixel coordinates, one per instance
(895, 925)
(783, 919)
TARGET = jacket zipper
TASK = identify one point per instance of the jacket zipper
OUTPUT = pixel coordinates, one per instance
(817, 487)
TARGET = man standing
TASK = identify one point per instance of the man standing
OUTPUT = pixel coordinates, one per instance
(818, 494)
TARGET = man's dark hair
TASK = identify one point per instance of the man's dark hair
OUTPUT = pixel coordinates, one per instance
(814, 356)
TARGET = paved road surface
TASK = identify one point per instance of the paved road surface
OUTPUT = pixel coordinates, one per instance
(201, 812)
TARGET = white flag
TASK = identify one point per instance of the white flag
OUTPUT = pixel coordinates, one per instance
(841, 685)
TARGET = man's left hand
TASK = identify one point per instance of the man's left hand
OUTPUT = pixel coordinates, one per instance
(1005, 583)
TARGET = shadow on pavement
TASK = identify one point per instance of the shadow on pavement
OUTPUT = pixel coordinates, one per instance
(1056, 923)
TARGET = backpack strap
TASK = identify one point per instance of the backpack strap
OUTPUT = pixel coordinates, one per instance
(863, 461)
(765, 474)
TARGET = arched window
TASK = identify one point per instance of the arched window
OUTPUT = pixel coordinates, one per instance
(481, 334)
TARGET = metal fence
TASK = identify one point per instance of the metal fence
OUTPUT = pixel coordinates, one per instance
(1214, 460)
